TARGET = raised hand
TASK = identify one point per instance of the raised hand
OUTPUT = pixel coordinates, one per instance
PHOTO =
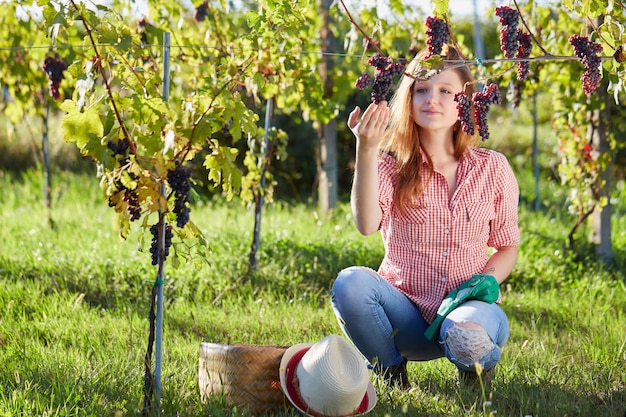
(370, 127)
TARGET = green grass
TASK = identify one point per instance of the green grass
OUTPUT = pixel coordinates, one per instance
(74, 303)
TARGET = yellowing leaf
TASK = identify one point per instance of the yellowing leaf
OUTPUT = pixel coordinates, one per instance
(84, 129)
(122, 224)
(152, 198)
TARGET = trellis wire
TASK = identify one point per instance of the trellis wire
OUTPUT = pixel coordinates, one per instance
(336, 54)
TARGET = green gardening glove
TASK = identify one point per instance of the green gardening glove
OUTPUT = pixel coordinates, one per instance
(479, 287)
(483, 287)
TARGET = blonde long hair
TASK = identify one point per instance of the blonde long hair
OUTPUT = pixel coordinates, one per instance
(401, 139)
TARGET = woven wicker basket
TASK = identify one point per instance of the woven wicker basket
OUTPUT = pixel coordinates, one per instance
(245, 376)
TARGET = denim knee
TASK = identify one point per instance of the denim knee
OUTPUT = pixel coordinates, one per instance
(466, 344)
(353, 282)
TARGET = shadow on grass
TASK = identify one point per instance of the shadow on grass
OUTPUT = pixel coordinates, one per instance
(516, 396)
(103, 289)
(534, 318)
(311, 264)
(521, 397)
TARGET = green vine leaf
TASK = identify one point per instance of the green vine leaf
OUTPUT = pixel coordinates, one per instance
(441, 7)
(84, 129)
(222, 169)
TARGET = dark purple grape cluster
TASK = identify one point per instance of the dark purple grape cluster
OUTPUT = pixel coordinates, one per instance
(379, 61)
(385, 71)
(178, 179)
(513, 41)
(587, 52)
(437, 35)
(226, 127)
(132, 201)
(134, 209)
(120, 148)
(364, 81)
(523, 51)
(515, 95)
(141, 30)
(464, 109)
(482, 102)
(509, 19)
(154, 245)
(202, 12)
(54, 68)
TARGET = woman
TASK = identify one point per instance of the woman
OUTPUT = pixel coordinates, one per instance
(439, 202)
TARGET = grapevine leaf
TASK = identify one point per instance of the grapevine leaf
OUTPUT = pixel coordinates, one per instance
(174, 260)
(109, 122)
(153, 34)
(430, 67)
(253, 19)
(396, 6)
(127, 181)
(223, 170)
(434, 62)
(441, 7)
(107, 35)
(595, 8)
(122, 224)
(52, 16)
(125, 39)
(569, 4)
(84, 129)
(151, 197)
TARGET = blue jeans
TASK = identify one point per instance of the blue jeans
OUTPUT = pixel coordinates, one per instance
(386, 326)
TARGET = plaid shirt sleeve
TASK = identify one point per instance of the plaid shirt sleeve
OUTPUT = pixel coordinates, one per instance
(504, 227)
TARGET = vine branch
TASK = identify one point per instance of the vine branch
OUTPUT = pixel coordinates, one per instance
(595, 29)
(132, 146)
(356, 25)
(530, 31)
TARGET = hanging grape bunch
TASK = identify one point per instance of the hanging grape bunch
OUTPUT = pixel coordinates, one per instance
(178, 179)
(154, 244)
(509, 19)
(523, 51)
(464, 111)
(384, 73)
(201, 12)
(513, 41)
(129, 196)
(54, 68)
(437, 35)
(587, 52)
(482, 102)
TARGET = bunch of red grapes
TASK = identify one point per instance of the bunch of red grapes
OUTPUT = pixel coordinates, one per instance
(437, 35)
(464, 109)
(120, 153)
(201, 12)
(587, 52)
(179, 180)
(54, 68)
(482, 101)
(385, 71)
(513, 41)
(154, 243)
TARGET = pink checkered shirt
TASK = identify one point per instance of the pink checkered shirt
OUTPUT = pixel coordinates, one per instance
(440, 242)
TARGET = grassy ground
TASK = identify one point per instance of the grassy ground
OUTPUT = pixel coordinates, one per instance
(74, 304)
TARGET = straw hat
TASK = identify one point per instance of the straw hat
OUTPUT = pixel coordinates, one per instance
(327, 379)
